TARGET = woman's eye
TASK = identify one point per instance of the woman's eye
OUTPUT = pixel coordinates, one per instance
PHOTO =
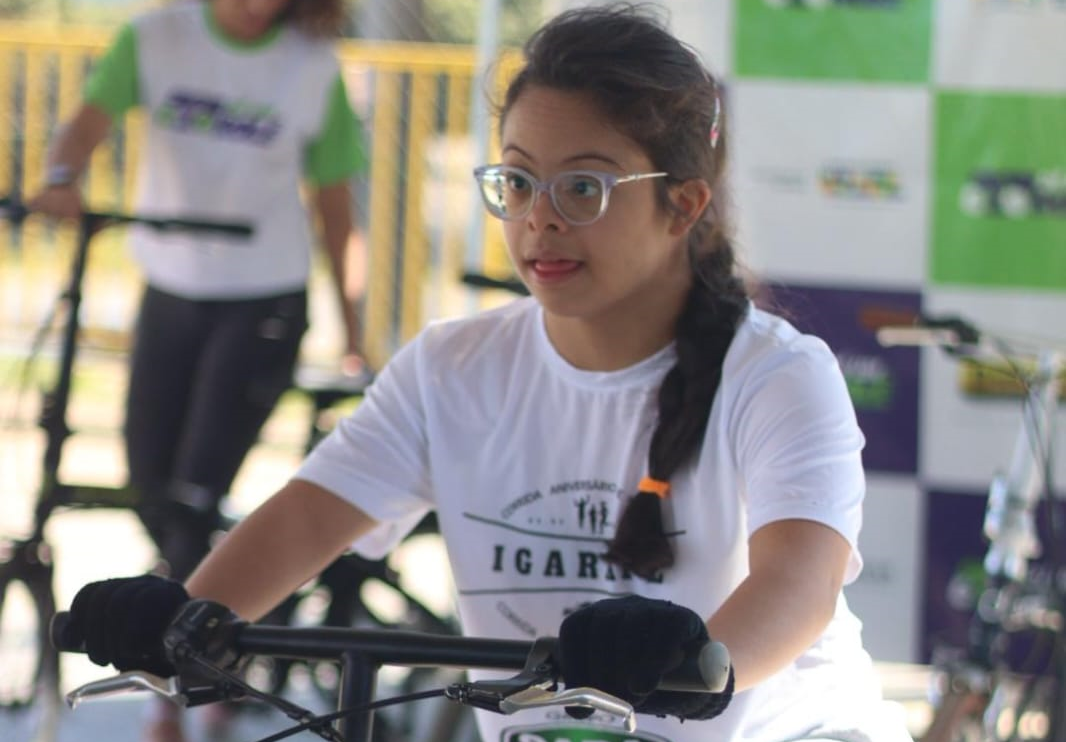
(517, 182)
(585, 187)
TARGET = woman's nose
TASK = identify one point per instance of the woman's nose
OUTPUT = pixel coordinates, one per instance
(544, 215)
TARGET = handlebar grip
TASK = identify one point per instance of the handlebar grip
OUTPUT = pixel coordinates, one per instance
(707, 671)
(57, 633)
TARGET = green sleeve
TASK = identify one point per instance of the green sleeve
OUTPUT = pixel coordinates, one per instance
(112, 84)
(339, 150)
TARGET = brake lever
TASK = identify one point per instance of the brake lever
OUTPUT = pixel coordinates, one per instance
(590, 698)
(127, 682)
(535, 686)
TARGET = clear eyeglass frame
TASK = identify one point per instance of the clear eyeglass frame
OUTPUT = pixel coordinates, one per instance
(576, 208)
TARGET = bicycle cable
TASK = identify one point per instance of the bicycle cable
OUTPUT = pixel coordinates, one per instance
(323, 719)
(308, 720)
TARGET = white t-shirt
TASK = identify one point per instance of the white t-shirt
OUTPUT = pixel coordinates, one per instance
(529, 461)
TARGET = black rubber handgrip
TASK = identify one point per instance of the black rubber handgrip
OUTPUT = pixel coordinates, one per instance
(57, 633)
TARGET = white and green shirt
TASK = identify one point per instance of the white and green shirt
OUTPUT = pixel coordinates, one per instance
(232, 129)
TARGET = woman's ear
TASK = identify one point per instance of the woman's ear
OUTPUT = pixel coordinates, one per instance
(690, 199)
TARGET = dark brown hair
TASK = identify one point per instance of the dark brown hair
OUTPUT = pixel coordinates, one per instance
(317, 18)
(656, 91)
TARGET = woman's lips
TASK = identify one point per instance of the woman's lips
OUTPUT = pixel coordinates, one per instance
(554, 271)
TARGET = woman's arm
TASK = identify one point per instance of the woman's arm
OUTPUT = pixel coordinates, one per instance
(787, 600)
(68, 157)
(333, 204)
(287, 540)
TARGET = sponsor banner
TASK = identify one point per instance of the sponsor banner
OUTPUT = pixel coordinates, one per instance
(883, 382)
(887, 594)
(871, 40)
(968, 436)
(1000, 44)
(831, 182)
(999, 215)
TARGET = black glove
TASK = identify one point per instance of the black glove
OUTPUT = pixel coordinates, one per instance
(624, 646)
(121, 622)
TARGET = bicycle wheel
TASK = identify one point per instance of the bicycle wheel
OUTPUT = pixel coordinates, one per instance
(29, 682)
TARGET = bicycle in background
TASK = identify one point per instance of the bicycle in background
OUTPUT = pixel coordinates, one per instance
(979, 695)
(346, 594)
(29, 688)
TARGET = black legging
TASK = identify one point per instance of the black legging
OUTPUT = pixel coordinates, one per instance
(204, 377)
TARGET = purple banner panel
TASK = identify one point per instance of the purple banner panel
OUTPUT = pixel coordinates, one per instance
(955, 548)
(883, 382)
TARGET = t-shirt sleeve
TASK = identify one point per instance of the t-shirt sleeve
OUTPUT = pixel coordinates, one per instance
(377, 457)
(112, 83)
(338, 151)
(799, 444)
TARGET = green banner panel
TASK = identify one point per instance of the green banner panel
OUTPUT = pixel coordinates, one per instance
(999, 198)
(876, 40)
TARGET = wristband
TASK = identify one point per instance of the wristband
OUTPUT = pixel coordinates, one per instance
(58, 175)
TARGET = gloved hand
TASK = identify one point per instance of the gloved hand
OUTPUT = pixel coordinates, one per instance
(121, 622)
(624, 646)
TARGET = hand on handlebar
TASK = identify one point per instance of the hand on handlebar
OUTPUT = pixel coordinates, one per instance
(63, 202)
(121, 622)
(624, 646)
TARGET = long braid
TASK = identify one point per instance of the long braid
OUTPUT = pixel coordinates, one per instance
(705, 329)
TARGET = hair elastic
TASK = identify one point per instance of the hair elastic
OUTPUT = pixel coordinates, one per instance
(656, 486)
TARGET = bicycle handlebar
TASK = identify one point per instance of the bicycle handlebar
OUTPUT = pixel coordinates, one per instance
(705, 671)
(220, 641)
(15, 211)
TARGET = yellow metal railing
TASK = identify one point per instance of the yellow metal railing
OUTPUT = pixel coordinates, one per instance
(414, 205)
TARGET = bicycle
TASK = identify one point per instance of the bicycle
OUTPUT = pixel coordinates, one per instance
(980, 696)
(203, 638)
(29, 688)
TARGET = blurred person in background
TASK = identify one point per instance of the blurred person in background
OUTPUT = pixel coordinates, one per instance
(245, 106)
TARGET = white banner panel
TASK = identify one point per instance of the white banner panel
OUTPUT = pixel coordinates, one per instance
(992, 44)
(886, 597)
(832, 180)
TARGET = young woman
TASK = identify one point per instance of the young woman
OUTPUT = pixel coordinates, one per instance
(633, 457)
(244, 104)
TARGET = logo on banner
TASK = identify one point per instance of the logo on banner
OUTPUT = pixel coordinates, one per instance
(827, 3)
(868, 379)
(1014, 194)
(861, 182)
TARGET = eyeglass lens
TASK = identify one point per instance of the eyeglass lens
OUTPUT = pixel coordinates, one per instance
(510, 194)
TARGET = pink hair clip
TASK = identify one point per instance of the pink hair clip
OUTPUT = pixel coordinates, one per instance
(716, 121)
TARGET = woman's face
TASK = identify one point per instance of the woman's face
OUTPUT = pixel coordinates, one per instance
(625, 263)
(248, 20)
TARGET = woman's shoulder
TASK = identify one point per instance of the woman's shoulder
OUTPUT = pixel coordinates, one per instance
(489, 333)
(765, 339)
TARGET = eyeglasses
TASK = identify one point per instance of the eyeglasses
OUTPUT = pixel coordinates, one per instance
(580, 196)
